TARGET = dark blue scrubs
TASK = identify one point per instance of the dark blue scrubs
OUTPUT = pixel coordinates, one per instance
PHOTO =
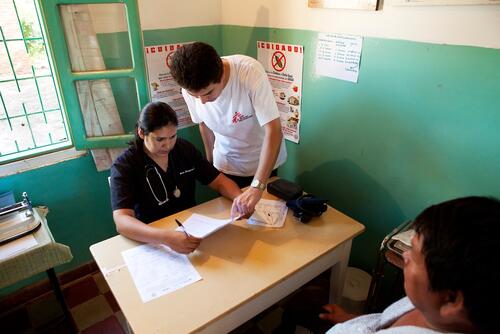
(130, 190)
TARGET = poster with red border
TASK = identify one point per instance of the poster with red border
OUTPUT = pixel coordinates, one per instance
(162, 86)
(283, 65)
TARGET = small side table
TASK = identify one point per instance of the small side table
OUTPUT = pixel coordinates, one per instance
(391, 251)
(44, 256)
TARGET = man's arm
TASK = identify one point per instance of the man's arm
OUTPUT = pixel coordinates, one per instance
(245, 203)
(208, 141)
(225, 186)
(132, 228)
(270, 149)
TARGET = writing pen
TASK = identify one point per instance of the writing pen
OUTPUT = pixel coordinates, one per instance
(182, 227)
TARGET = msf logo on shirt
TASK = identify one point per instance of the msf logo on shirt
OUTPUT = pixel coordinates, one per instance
(238, 117)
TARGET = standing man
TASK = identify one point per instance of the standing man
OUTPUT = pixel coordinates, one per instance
(232, 101)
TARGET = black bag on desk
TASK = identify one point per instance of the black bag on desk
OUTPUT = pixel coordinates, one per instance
(284, 189)
(307, 206)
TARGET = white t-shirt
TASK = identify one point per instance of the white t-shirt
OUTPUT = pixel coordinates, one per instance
(237, 117)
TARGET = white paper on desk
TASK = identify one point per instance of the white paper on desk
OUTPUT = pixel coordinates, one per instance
(201, 226)
(18, 245)
(269, 213)
(157, 270)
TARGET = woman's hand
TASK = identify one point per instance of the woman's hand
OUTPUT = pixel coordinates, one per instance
(181, 243)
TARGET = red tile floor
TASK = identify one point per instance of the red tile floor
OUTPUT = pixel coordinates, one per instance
(92, 305)
(94, 310)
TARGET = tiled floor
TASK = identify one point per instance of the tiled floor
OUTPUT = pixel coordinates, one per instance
(95, 310)
(92, 305)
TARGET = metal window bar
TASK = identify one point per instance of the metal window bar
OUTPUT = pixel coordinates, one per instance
(34, 77)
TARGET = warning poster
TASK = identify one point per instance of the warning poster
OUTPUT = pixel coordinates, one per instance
(162, 86)
(283, 65)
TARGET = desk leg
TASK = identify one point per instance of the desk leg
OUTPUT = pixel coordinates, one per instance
(338, 271)
(54, 281)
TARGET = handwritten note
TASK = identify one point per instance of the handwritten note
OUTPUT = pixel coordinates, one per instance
(339, 56)
(201, 226)
(157, 270)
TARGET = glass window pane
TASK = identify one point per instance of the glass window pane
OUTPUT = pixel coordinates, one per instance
(96, 36)
(109, 107)
(8, 21)
(48, 93)
(22, 133)
(7, 141)
(56, 127)
(39, 129)
(28, 18)
(20, 59)
(5, 68)
(38, 57)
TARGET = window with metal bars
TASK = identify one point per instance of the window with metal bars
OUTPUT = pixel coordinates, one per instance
(32, 120)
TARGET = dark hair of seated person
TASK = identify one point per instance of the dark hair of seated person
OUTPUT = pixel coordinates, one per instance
(195, 66)
(461, 252)
(154, 116)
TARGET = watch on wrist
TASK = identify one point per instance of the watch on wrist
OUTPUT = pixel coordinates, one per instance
(257, 184)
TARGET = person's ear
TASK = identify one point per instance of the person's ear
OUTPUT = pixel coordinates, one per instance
(140, 132)
(452, 304)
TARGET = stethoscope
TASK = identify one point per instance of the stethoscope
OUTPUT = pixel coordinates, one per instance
(176, 192)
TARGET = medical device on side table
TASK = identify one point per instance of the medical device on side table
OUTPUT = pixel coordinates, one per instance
(17, 220)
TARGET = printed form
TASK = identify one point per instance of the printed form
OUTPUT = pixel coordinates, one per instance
(157, 270)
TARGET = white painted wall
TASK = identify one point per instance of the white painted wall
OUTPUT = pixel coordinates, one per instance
(461, 25)
(158, 14)
(164, 14)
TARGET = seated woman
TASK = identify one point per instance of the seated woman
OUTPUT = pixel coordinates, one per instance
(451, 275)
(156, 177)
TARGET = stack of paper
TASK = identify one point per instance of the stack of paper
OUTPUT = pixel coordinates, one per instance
(202, 226)
(157, 270)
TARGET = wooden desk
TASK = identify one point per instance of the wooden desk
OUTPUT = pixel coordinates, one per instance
(244, 270)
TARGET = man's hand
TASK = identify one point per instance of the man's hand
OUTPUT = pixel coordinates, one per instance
(244, 204)
(181, 243)
(336, 314)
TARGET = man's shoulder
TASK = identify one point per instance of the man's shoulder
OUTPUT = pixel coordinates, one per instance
(243, 63)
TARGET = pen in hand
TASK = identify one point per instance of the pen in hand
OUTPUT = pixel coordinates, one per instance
(182, 227)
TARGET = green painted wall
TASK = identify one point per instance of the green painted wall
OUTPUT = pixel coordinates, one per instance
(421, 126)
(76, 194)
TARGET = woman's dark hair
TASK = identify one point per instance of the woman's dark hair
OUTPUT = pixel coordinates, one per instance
(154, 116)
(195, 66)
(460, 246)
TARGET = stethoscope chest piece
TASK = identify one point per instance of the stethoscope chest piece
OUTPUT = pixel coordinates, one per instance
(177, 192)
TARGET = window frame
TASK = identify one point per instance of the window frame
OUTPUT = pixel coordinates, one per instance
(44, 149)
(56, 40)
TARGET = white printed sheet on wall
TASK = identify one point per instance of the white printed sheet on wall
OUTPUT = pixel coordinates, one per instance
(339, 56)
(283, 65)
(162, 86)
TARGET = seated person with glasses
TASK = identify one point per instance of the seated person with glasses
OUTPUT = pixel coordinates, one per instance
(451, 275)
(156, 177)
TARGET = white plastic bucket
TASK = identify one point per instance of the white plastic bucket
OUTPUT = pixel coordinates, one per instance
(356, 286)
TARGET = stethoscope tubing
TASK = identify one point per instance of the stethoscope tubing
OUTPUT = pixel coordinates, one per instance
(176, 193)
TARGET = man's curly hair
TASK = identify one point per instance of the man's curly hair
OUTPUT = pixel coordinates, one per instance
(195, 66)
